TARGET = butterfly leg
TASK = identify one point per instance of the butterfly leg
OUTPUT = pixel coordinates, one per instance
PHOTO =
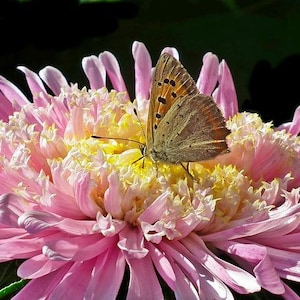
(186, 168)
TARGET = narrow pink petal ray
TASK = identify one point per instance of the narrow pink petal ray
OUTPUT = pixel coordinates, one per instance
(208, 76)
(295, 126)
(36, 87)
(42, 288)
(292, 127)
(235, 277)
(257, 257)
(267, 276)
(225, 96)
(82, 191)
(54, 79)
(289, 293)
(94, 71)
(74, 287)
(20, 245)
(142, 69)
(78, 248)
(38, 266)
(113, 196)
(12, 93)
(112, 68)
(10, 209)
(131, 242)
(143, 283)
(185, 289)
(6, 108)
(162, 265)
(110, 265)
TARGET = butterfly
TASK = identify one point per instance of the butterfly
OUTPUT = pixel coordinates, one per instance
(183, 125)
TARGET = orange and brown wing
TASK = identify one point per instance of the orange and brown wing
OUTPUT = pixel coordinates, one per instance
(197, 131)
(171, 81)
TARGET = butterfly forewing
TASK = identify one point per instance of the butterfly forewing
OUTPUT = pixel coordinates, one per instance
(170, 82)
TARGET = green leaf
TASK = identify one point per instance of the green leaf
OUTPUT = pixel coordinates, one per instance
(12, 289)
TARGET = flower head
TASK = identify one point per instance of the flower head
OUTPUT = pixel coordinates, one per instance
(82, 212)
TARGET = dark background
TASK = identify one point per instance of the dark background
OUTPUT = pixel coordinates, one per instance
(258, 39)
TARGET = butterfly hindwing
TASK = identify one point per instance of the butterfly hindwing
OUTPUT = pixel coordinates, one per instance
(196, 132)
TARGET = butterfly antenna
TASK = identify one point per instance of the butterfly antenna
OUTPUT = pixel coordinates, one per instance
(116, 138)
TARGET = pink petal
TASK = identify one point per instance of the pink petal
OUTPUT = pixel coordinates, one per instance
(226, 97)
(54, 79)
(36, 221)
(142, 69)
(267, 276)
(235, 277)
(180, 256)
(184, 288)
(107, 225)
(113, 197)
(295, 126)
(10, 209)
(289, 293)
(162, 265)
(61, 204)
(292, 127)
(131, 242)
(76, 227)
(73, 285)
(107, 267)
(112, 68)
(157, 208)
(192, 278)
(12, 93)
(172, 51)
(41, 288)
(36, 87)
(143, 283)
(39, 266)
(94, 71)
(208, 76)
(82, 191)
(286, 261)
(6, 108)
(79, 248)
(20, 245)
(258, 257)
(263, 229)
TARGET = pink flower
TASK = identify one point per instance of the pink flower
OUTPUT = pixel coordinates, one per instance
(82, 215)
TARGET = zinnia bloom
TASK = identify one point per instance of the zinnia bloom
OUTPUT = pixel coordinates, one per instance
(86, 214)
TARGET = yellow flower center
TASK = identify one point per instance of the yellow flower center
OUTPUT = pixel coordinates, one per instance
(118, 173)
